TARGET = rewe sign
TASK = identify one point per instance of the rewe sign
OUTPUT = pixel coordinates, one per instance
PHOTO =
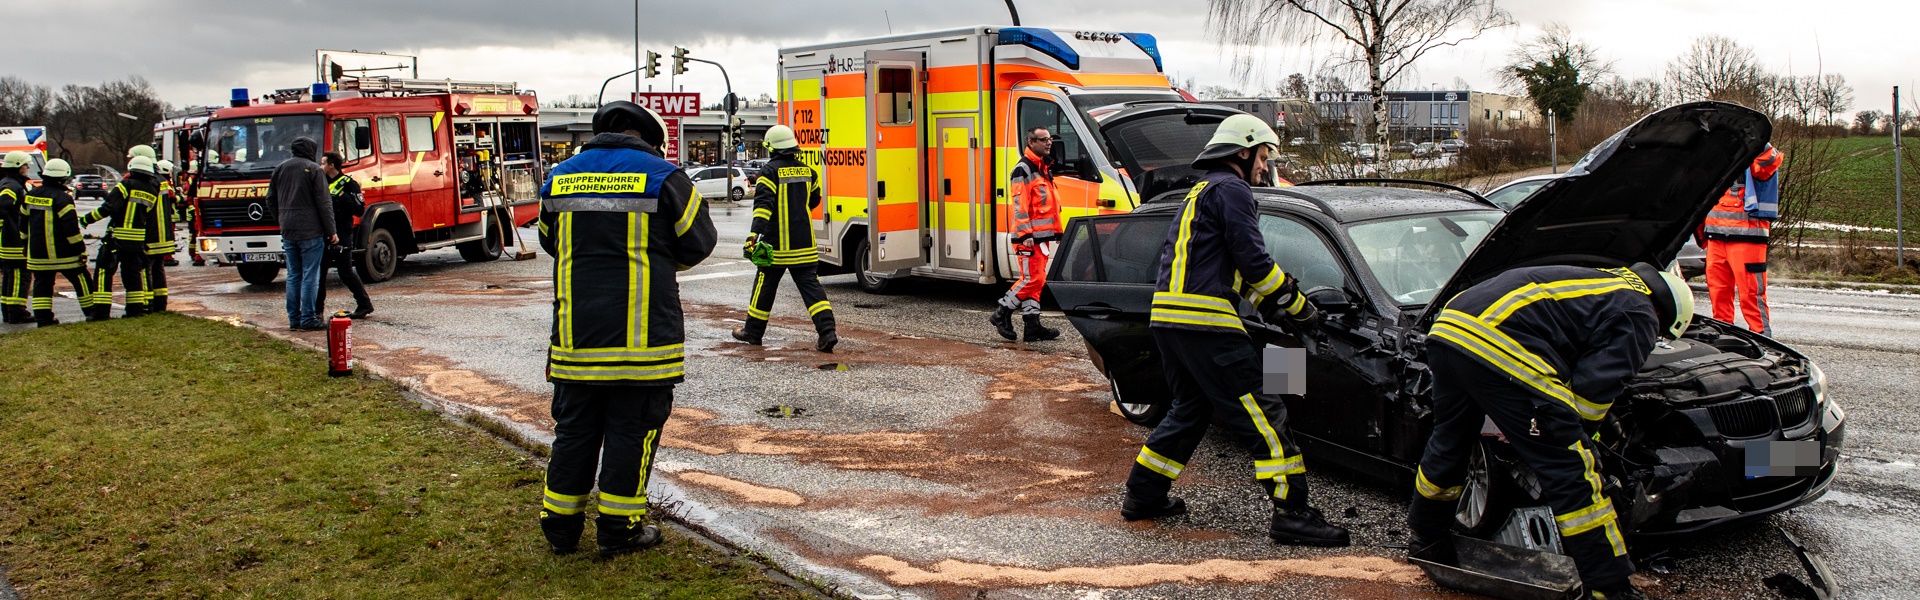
(670, 104)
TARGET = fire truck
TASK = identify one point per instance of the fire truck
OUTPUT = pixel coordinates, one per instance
(31, 140)
(441, 163)
(172, 134)
(914, 136)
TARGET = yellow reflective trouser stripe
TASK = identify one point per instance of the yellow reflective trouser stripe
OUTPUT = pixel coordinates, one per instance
(623, 506)
(564, 504)
(1268, 468)
(1510, 356)
(1599, 514)
(1427, 488)
(1274, 450)
(1517, 299)
(819, 307)
(1177, 282)
(646, 467)
(761, 213)
(1159, 464)
(753, 303)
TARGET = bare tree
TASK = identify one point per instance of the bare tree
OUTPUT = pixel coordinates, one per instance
(23, 103)
(1555, 70)
(1330, 83)
(1383, 38)
(1866, 121)
(1832, 96)
(1216, 92)
(1717, 68)
(1296, 87)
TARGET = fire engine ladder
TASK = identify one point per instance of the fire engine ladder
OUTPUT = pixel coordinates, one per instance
(389, 85)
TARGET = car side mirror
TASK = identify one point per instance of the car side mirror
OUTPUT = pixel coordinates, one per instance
(1084, 169)
(1330, 299)
(362, 138)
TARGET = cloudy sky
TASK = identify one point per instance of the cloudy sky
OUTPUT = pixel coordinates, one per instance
(193, 51)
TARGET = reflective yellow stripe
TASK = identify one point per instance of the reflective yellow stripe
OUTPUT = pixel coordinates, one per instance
(623, 506)
(1599, 514)
(687, 216)
(1177, 281)
(1266, 286)
(761, 213)
(1558, 290)
(1511, 348)
(564, 504)
(1268, 468)
(1187, 317)
(636, 274)
(563, 280)
(1427, 488)
(1260, 423)
(616, 354)
(1498, 359)
(1153, 461)
(753, 301)
(1195, 301)
(617, 372)
(819, 307)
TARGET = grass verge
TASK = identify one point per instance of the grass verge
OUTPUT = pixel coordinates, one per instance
(175, 457)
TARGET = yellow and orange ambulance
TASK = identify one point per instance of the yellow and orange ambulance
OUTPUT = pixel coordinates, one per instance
(914, 136)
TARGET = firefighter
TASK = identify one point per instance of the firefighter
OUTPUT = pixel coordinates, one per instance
(784, 197)
(1036, 229)
(1543, 352)
(160, 244)
(132, 210)
(13, 253)
(1736, 233)
(619, 221)
(169, 193)
(1213, 257)
(54, 244)
(348, 204)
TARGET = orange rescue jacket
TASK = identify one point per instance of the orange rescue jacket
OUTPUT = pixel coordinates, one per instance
(1036, 210)
(1729, 221)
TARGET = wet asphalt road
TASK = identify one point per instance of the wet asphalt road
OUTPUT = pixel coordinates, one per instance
(941, 462)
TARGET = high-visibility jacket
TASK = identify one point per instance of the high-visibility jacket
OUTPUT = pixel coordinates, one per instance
(131, 209)
(1212, 252)
(12, 237)
(1575, 334)
(784, 196)
(620, 221)
(52, 229)
(160, 241)
(1036, 208)
(1729, 221)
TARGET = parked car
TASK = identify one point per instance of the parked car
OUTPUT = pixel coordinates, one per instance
(711, 182)
(753, 166)
(1426, 149)
(1367, 152)
(1380, 263)
(90, 186)
(1692, 259)
(1297, 142)
(1403, 147)
(1452, 145)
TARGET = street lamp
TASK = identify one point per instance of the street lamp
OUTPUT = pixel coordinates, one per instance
(128, 116)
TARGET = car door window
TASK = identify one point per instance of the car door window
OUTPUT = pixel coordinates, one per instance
(345, 140)
(1118, 249)
(419, 134)
(1036, 112)
(1302, 253)
(389, 135)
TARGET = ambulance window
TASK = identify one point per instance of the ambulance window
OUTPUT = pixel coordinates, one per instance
(894, 96)
(389, 135)
(1035, 112)
(345, 141)
(419, 134)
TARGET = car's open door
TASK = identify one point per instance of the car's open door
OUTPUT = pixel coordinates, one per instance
(1103, 277)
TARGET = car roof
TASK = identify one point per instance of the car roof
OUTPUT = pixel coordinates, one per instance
(1348, 204)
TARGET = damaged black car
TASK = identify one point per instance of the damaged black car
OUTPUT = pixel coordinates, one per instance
(1380, 259)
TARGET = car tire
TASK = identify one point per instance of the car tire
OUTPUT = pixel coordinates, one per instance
(381, 258)
(1489, 494)
(259, 273)
(737, 194)
(863, 271)
(1145, 412)
(485, 249)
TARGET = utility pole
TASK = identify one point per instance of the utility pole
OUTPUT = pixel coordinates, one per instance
(1899, 220)
(636, 49)
(1553, 141)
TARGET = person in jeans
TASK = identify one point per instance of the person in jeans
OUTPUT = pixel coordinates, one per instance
(347, 205)
(297, 192)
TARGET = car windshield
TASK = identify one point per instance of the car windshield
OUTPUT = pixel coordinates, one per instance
(1511, 195)
(1413, 257)
(253, 146)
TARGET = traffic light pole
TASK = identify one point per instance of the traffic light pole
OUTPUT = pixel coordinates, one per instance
(726, 127)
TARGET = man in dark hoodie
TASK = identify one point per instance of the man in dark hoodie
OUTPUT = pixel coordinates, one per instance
(297, 192)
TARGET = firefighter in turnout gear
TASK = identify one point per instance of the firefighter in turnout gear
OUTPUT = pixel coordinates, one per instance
(620, 221)
(1036, 231)
(1214, 258)
(13, 252)
(784, 197)
(132, 210)
(54, 246)
(1543, 352)
(1736, 233)
(175, 215)
(160, 244)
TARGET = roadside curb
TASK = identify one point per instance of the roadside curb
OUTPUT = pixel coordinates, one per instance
(1898, 288)
(778, 564)
(6, 587)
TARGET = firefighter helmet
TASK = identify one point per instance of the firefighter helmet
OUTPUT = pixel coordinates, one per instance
(1682, 303)
(780, 137)
(621, 115)
(164, 167)
(140, 164)
(140, 150)
(57, 169)
(14, 160)
(1236, 133)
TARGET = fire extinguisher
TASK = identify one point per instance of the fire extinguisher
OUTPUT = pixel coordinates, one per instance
(339, 345)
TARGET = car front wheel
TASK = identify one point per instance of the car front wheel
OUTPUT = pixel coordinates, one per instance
(1145, 412)
(1489, 493)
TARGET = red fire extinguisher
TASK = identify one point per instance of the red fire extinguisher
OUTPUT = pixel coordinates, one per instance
(339, 345)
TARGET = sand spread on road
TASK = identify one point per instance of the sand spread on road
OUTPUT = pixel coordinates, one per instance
(1216, 571)
(757, 494)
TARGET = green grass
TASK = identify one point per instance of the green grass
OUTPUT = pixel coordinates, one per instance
(175, 457)
(1862, 183)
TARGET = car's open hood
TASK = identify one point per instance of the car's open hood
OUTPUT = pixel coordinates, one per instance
(1635, 198)
(1142, 136)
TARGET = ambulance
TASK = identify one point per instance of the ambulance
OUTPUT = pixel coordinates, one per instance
(31, 140)
(914, 136)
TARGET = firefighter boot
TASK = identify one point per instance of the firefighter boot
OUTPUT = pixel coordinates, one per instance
(1135, 509)
(749, 334)
(99, 312)
(1437, 549)
(562, 531)
(16, 315)
(623, 535)
(827, 340)
(1037, 332)
(1002, 321)
(1431, 522)
(44, 318)
(1304, 526)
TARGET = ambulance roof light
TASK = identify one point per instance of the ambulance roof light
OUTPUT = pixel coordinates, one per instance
(240, 98)
(1046, 41)
(1148, 45)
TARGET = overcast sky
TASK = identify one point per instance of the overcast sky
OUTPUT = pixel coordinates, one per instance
(193, 51)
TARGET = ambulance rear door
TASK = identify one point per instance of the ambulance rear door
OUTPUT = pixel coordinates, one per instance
(896, 210)
(800, 103)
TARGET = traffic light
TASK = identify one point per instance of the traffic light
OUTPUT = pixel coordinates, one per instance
(652, 66)
(737, 130)
(679, 60)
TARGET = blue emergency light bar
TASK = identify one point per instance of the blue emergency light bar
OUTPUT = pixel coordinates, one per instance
(320, 92)
(1046, 41)
(240, 98)
(1148, 45)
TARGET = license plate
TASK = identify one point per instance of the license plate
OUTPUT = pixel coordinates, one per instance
(260, 257)
(1795, 458)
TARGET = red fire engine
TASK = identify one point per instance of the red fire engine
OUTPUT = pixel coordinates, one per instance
(441, 163)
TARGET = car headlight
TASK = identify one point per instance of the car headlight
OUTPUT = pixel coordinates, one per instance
(1817, 380)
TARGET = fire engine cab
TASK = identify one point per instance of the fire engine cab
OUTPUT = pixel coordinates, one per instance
(914, 136)
(440, 163)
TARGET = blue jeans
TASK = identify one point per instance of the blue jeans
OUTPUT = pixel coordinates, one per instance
(303, 279)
